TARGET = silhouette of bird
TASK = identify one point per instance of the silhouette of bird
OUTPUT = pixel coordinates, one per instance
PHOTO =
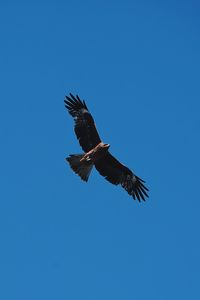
(96, 153)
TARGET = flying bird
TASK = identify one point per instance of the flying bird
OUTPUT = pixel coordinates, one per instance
(96, 152)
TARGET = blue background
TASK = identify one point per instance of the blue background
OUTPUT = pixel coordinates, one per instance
(137, 65)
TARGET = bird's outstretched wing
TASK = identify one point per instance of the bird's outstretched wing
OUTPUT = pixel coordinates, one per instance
(85, 128)
(116, 173)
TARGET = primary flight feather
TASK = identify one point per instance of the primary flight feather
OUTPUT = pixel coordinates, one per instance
(96, 153)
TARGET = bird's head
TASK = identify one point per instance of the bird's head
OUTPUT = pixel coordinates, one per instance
(106, 146)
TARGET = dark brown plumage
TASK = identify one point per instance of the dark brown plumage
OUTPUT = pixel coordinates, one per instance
(97, 154)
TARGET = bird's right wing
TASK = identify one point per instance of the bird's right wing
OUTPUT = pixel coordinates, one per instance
(116, 173)
(85, 128)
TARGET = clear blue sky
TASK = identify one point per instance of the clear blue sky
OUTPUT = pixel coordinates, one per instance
(137, 65)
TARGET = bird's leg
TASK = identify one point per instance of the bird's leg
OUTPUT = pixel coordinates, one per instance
(87, 156)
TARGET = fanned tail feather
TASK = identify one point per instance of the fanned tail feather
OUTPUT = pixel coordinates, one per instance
(81, 168)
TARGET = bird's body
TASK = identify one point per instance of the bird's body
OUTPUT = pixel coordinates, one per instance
(96, 153)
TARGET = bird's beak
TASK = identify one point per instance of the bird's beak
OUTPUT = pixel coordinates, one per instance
(106, 145)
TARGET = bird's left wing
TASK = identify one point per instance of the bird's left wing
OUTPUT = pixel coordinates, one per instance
(85, 128)
(116, 173)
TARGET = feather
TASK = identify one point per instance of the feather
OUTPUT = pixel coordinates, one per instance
(84, 128)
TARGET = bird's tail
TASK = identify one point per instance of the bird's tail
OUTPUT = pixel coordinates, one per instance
(81, 168)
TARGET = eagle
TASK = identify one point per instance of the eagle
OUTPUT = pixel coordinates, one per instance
(96, 153)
